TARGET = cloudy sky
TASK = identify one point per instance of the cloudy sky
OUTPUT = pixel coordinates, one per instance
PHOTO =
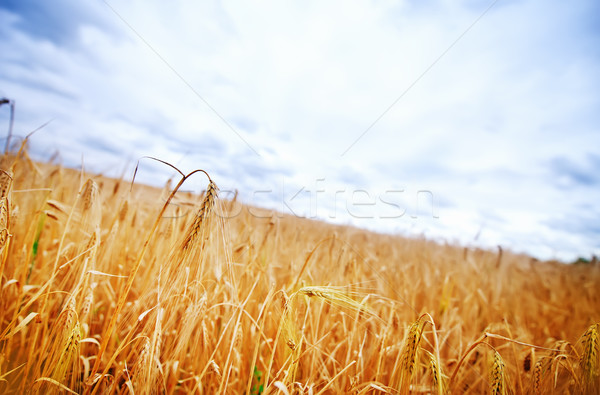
(470, 121)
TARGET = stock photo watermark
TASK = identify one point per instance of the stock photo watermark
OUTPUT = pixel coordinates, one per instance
(322, 201)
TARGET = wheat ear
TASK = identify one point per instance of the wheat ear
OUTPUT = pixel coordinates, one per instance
(334, 296)
(5, 187)
(89, 194)
(201, 216)
(497, 379)
(69, 354)
(540, 367)
(589, 357)
(6, 179)
(4, 217)
(408, 357)
(439, 385)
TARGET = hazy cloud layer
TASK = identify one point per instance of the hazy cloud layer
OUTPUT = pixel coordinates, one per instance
(493, 143)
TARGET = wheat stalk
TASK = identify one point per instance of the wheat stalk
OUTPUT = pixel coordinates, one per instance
(89, 194)
(6, 180)
(538, 374)
(215, 370)
(497, 379)
(88, 300)
(132, 274)
(202, 216)
(4, 218)
(589, 357)
(259, 350)
(408, 356)
(192, 315)
(439, 385)
(123, 211)
(144, 360)
(69, 354)
(334, 296)
(63, 352)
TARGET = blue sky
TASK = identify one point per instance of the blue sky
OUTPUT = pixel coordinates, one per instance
(354, 112)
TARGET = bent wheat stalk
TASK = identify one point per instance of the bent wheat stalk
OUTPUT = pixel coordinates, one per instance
(123, 297)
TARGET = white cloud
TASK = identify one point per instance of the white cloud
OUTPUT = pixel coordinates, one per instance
(300, 83)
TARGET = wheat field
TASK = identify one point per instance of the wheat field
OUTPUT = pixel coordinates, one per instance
(112, 287)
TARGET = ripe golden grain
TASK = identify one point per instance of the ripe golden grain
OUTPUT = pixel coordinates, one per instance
(333, 295)
(540, 367)
(497, 379)
(3, 213)
(4, 220)
(140, 371)
(89, 194)
(291, 344)
(215, 369)
(123, 211)
(312, 342)
(193, 314)
(202, 216)
(589, 358)
(6, 180)
(408, 356)
(69, 354)
(88, 300)
(439, 385)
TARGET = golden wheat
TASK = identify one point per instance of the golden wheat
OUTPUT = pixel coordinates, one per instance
(333, 295)
(89, 194)
(408, 356)
(123, 211)
(201, 217)
(497, 375)
(589, 358)
(111, 291)
(439, 385)
(6, 180)
(538, 374)
(4, 218)
(69, 355)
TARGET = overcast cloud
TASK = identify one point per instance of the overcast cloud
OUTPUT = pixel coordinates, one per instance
(501, 133)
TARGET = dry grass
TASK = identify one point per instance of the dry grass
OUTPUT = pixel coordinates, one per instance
(108, 288)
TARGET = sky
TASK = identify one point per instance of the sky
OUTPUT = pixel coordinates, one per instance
(467, 121)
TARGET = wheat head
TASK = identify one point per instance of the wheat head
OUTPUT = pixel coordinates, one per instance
(408, 356)
(201, 216)
(589, 357)
(497, 375)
